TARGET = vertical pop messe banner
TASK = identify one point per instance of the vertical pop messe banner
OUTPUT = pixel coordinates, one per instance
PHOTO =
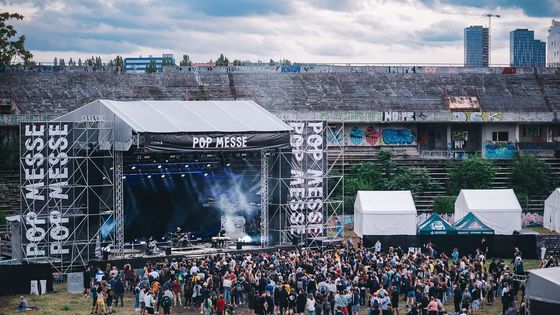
(307, 186)
(44, 177)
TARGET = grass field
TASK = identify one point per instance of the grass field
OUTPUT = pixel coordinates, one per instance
(61, 302)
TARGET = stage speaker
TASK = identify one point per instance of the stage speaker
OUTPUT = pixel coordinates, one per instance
(239, 245)
(168, 251)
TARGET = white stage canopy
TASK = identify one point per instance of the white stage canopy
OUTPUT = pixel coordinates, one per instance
(544, 285)
(178, 125)
(551, 219)
(499, 209)
(384, 213)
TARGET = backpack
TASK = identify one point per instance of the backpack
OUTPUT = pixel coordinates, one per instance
(166, 301)
(324, 290)
(375, 305)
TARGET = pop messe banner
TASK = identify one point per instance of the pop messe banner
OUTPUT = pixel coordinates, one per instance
(46, 168)
(307, 185)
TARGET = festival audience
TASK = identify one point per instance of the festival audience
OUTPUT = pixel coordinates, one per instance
(344, 281)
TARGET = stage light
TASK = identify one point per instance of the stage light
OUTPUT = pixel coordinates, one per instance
(149, 176)
(162, 176)
(207, 165)
(182, 175)
(228, 164)
(134, 167)
(187, 165)
(111, 168)
(166, 161)
(124, 177)
(104, 178)
(205, 174)
(159, 166)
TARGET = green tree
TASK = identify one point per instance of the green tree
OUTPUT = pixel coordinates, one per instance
(79, 62)
(474, 173)
(55, 61)
(186, 61)
(444, 204)
(9, 155)
(167, 61)
(71, 62)
(98, 62)
(222, 61)
(286, 62)
(365, 176)
(531, 177)
(237, 62)
(271, 62)
(118, 61)
(61, 62)
(12, 46)
(151, 67)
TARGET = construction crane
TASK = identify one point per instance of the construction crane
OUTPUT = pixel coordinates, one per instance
(490, 16)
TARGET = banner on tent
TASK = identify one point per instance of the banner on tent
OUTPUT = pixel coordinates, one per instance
(306, 190)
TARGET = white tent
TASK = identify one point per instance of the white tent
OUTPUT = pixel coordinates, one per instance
(499, 209)
(384, 213)
(551, 218)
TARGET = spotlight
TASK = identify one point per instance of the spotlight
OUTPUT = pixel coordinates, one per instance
(228, 164)
(159, 166)
(124, 177)
(187, 165)
(104, 178)
(166, 161)
(207, 165)
(111, 168)
(134, 167)
(205, 174)
(149, 176)
(182, 175)
(162, 176)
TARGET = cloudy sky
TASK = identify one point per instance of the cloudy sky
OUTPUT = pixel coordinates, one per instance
(334, 31)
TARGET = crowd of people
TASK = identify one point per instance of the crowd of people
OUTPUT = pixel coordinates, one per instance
(343, 281)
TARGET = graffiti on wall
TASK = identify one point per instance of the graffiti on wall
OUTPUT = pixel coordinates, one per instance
(460, 139)
(478, 116)
(367, 116)
(371, 135)
(500, 150)
(335, 134)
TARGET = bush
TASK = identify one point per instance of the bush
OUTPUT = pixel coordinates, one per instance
(531, 177)
(444, 204)
(474, 173)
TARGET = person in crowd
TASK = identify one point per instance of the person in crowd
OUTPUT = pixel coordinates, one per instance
(118, 289)
(310, 304)
(149, 302)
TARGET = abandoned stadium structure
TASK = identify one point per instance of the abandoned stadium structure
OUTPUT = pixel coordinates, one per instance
(425, 115)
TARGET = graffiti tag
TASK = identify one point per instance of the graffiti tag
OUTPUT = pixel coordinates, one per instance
(398, 136)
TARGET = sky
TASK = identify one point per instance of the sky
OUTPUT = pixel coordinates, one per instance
(306, 31)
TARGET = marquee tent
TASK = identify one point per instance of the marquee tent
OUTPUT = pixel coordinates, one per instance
(384, 213)
(436, 225)
(551, 218)
(499, 209)
(542, 290)
(470, 224)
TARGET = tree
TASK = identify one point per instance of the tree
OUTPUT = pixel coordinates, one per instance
(79, 62)
(167, 61)
(474, 173)
(61, 62)
(118, 62)
(531, 177)
(98, 62)
(444, 204)
(285, 62)
(71, 62)
(55, 61)
(10, 46)
(237, 62)
(222, 61)
(365, 176)
(186, 61)
(151, 67)
(271, 62)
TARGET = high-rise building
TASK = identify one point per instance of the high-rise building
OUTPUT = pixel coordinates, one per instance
(554, 44)
(524, 50)
(476, 46)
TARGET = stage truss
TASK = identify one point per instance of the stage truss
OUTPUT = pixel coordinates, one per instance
(280, 179)
(68, 190)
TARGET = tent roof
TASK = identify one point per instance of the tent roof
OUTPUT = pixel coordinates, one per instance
(435, 224)
(385, 202)
(554, 198)
(187, 116)
(544, 285)
(490, 200)
(470, 224)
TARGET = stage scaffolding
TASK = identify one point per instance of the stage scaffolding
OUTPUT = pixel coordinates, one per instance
(280, 165)
(69, 219)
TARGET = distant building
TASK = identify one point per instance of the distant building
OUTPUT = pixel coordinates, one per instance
(554, 44)
(524, 50)
(139, 64)
(476, 46)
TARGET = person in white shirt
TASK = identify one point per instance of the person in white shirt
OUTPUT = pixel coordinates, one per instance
(150, 301)
(194, 270)
(377, 246)
(99, 275)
